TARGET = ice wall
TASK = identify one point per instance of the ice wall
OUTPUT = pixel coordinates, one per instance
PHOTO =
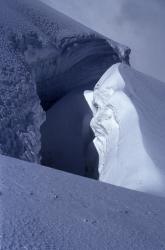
(43, 53)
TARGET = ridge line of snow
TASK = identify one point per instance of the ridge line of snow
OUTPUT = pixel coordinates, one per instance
(123, 157)
(102, 132)
(111, 130)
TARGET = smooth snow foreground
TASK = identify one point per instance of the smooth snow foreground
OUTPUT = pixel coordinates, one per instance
(128, 123)
(43, 208)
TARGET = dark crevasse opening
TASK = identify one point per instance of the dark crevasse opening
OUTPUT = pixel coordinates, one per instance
(63, 58)
(62, 76)
(66, 136)
(75, 65)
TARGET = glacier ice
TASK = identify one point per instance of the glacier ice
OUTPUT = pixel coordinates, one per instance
(128, 121)
(43, 56)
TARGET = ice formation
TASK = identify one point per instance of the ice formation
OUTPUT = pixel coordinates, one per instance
(43, 56)
(128, 121)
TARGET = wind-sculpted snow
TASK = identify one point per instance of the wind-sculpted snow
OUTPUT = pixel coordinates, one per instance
(43, 208)
(43, 53)
(128, 123)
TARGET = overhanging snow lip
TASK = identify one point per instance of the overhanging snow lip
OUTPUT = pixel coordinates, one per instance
(64, 39)
(72, 52)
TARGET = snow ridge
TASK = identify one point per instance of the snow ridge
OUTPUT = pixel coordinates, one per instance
(107, 132)
(123, 157)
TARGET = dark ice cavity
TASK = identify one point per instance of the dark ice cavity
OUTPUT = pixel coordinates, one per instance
(67, 138)
(43, 56)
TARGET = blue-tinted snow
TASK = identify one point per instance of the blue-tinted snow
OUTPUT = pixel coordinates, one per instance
(44, 209)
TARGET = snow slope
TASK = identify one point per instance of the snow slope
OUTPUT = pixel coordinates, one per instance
(42, 208)
(128, 123)
(43, 53)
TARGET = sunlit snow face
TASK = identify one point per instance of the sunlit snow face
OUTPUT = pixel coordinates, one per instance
(123, 158)
(109, 83)
(103, 121)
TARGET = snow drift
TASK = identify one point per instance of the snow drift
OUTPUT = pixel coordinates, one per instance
(42, 208)
(43, 56)
(128, 123)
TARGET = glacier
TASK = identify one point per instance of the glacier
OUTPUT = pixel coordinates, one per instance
(43, 56)
(128, 123)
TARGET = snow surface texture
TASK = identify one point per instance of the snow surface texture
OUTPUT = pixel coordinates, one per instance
(128, 123)
(41, 47)
(43, 208)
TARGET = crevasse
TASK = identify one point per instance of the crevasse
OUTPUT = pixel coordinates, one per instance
(44, 55)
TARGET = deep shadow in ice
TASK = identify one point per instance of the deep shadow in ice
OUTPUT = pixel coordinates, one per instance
(41, 47)
(67, 139)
